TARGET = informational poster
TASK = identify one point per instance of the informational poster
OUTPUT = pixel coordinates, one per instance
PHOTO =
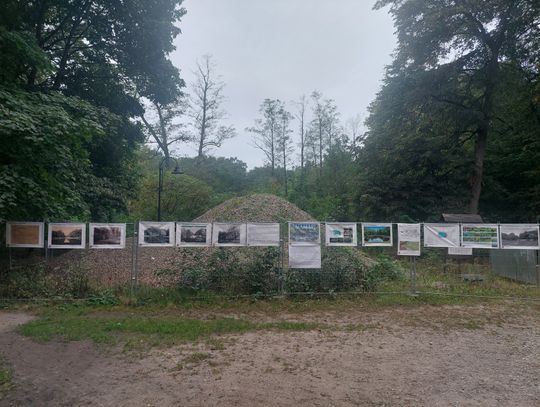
(441, 235)
(304, 233)
(156, 234)
(229, 234)
(25, 234)
(377, 234)
(66, 235)
(263, 234)
(479, 235)
(408, 239)
(519, 237)
(459, 251)
(305, 257)
(107, 235)
(341, 234)
(190, 234)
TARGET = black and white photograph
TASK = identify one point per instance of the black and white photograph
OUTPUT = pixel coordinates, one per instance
(229, 234)
(193, 234)
(156, 234)
(519, 237)
(107, 235)
(66, 235)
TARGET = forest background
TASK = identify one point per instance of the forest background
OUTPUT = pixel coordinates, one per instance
(90, 104)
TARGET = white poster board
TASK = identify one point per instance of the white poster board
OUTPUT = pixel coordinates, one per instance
(304, 233)
(191, 234)
(229, 234)
(156, 234)
(25, 234)
(107, 235)
(408, 239)
(480, 235)
(441, 235)
(66, 235)
(460, 251)
(305, 257)
(341, 234)
(519, 236)
(377, 234)
(263, 234)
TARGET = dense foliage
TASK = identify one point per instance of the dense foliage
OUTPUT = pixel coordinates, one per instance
(72, 76)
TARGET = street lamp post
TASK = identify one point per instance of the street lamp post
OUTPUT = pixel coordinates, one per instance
(176, 171)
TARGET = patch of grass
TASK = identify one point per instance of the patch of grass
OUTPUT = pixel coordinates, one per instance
(6, 379)
(139, 331)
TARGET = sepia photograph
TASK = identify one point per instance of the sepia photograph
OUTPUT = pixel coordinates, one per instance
(24, 234)
(67, 235)
(107, 235)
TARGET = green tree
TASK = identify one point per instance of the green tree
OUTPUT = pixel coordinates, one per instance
(453, 51)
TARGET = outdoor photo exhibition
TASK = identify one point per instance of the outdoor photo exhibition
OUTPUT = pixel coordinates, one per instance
(270, 203)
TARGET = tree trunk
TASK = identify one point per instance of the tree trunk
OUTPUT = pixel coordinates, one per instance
(482, 135)
(478, 169)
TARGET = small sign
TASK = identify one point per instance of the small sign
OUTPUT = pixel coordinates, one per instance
(460, 251)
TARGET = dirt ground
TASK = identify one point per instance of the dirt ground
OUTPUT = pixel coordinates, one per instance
(481, 355)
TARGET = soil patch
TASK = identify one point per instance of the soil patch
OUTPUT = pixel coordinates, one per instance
(481, 355)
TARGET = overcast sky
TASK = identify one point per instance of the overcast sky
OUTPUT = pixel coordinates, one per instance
(283, 49)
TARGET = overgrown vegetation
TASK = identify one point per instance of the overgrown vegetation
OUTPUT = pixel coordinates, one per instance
(6, 378)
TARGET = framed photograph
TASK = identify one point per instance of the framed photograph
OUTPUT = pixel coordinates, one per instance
(193, 234)
(519, 237)
(107, 235)
(25, 234)
(156, 234)
(263, 234)
(408, 239)
(341, 234)
(66, 235)
(441, 235)
(479, 235)
(377, 234)
(229, 234)
(304, 233)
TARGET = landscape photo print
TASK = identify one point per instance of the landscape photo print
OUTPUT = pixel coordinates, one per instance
(107, 235)
(193, 234)
(156, 234)
(519, 236)
(377, 234)
(229, 234)
(66, 235)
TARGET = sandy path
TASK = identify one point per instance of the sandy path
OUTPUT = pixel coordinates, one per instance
(402, 357)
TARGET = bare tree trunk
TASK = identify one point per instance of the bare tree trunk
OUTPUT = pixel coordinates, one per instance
(482, 136)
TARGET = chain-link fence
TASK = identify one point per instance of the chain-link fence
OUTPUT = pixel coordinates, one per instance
(32, 273)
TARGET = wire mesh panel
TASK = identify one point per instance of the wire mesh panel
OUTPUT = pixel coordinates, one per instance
(519, 265)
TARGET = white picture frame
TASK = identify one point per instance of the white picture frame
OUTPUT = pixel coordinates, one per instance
(115, 239)
(20, 231)
(66, 235)
(189, 234)
(377, 241)
(341, 234)
(156, 234)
